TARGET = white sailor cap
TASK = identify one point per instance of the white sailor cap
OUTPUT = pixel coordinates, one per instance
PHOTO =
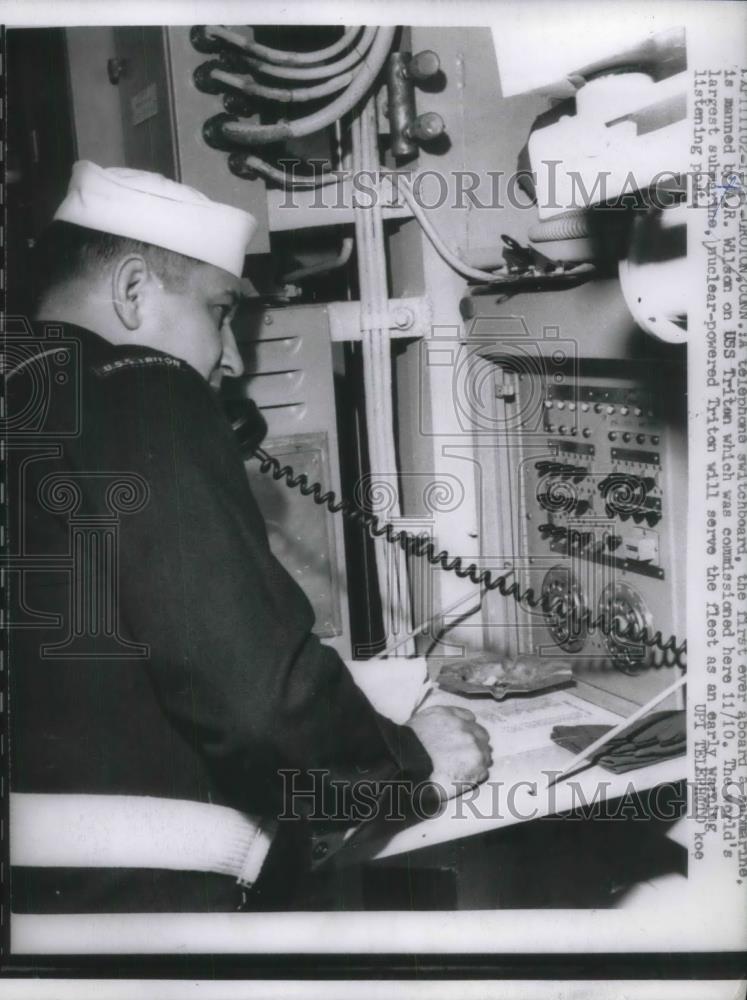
(153, 209)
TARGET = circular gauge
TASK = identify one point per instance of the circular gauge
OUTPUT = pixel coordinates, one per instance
(624, 616)
(564, 607)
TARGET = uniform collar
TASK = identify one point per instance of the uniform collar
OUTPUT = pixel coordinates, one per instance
(95, 347)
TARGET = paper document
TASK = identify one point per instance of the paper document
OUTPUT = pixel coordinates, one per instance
(517, 725)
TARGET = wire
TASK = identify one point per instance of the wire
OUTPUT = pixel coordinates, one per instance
(355, 56)
(425, 625)
(249, 133)
(424, 547)
(281, 57)
(501, 276)
(438, 244)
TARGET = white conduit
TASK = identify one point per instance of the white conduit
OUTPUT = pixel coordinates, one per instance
(377, 367)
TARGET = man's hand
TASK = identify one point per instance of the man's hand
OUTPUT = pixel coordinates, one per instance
(458, 746)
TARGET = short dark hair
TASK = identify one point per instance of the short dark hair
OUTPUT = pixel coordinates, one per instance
(66, 252)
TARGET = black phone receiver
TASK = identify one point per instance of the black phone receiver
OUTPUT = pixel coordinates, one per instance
(247, 422)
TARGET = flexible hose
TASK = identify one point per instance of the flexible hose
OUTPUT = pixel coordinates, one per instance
(243, 164)
(424, 547)
(570, 226)
(229, 129)
(353, 58)
(286, 95)
(280, 57)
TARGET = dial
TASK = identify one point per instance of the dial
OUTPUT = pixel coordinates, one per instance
(564, 606)
(624, 617)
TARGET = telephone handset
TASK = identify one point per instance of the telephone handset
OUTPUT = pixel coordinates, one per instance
(250, 429)
(247, 422)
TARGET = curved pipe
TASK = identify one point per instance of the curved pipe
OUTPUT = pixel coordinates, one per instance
(285, 95)
(245, 163)
(280, 57)
(324, 266)
(353, 57)
(224, 128)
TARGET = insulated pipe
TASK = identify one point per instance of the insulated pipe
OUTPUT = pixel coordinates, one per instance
(352, 58)
(242, 164)
(324, 266)
(222, 129)
(247, 85)
(279, 56)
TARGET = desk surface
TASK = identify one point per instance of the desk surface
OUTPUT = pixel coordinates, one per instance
(516, 790)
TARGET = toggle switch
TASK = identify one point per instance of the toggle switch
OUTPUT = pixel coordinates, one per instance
(642, 548)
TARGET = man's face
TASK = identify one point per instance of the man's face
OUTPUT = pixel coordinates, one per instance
(193, 321)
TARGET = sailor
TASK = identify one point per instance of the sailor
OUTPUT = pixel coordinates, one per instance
(164, 676)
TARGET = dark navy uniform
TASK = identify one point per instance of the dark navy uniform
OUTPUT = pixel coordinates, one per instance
(209, 679)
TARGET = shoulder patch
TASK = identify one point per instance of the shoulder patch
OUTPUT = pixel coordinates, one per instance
(139, 361)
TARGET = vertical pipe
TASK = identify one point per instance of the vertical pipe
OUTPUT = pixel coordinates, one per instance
(377, 366)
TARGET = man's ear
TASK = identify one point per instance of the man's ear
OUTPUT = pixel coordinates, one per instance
(129, 278)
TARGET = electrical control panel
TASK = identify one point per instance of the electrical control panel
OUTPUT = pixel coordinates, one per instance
(600, 492)
(600, 520)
